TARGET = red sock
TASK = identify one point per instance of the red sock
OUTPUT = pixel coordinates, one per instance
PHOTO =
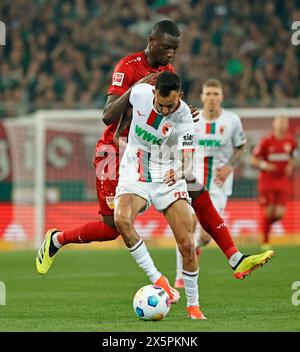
(266, 226)
(91, 231)
(213, 223)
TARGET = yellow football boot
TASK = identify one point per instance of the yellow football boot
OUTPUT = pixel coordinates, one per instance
(252, 262)
(43, 260)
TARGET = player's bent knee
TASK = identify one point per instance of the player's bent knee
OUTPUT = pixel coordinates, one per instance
(123, 223)
(186, 248)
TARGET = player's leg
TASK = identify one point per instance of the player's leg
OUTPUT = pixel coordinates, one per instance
(281, 198)
(266, 201)
(102, 230)
(279, 212)
(219, 201)
(179, 218)
(202, 238)
(267, 220)
(172, 201)
(127, 207)
(130, 201)
(274, 212)
(213, 223)
(179, 283)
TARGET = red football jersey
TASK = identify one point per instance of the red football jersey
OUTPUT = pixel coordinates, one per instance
(128, 71)
(278, 152)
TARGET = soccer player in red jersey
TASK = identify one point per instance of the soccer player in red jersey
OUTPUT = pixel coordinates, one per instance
(162, 45)
(274, 156)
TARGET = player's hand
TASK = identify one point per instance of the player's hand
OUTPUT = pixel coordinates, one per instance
(195, 113)
(170, 177)
(222, 174)
(266, 166)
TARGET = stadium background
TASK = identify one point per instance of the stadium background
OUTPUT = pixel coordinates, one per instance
(60, 57)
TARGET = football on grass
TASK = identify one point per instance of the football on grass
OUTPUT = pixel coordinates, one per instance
(151, 302)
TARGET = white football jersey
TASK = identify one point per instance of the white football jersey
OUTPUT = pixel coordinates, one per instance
(154, 140)
(215, 142)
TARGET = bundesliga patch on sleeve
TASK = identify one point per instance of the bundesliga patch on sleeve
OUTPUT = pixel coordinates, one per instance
(118, 78)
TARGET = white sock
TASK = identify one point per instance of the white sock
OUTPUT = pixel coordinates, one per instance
(55, 240)
(191, 287)
(234, 259)
(178, 264)
(141, 255)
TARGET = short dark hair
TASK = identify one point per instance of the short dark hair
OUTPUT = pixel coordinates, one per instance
(212, 82)
(166, 82)
(165, 26)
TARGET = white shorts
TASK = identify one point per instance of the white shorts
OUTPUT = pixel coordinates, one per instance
(219, 201)
(157, 193)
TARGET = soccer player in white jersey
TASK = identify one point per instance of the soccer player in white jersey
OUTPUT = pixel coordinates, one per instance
(219, 142)
(161, 135)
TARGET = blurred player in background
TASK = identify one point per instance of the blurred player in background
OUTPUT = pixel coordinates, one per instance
(275, 157)
(219, 141)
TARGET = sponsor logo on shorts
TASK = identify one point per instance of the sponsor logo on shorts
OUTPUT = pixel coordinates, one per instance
(180, 195)
(110, 202)
(118, 78)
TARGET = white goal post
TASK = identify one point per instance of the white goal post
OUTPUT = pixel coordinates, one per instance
(53, 177)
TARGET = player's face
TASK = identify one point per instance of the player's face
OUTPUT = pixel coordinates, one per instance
(166, 105)
(212, 98)
(163, 48)
(280, 125)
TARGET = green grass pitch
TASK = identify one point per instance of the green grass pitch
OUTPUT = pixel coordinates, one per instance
(92, 290)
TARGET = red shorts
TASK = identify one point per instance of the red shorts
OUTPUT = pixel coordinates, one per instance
(107, 176)
(106, 190)
(278, 197)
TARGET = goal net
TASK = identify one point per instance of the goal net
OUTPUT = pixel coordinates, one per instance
(50, 179)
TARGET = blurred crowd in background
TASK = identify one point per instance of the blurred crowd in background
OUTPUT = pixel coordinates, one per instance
(59, 54)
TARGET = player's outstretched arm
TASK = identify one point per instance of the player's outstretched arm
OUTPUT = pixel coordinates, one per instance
(124, 122)
(115, 106)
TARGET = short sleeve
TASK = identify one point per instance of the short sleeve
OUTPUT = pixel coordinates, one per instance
(122, 79)
(239, 137)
